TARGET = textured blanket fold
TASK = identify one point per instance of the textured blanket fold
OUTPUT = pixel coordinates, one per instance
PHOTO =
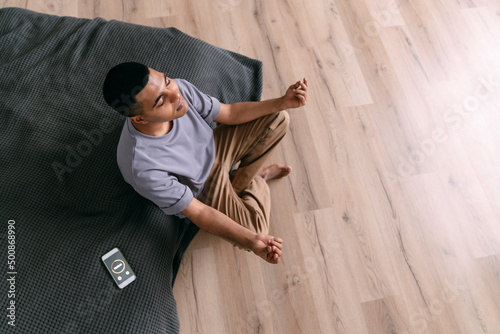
(63, 201)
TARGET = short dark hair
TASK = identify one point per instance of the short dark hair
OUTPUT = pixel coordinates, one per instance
(123, 82)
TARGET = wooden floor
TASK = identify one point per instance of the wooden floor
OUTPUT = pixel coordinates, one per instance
(390, 218)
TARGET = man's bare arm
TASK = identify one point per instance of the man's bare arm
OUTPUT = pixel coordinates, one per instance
(242, 112)
(217, 223)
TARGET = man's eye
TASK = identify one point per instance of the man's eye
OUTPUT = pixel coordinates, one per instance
(162, 102)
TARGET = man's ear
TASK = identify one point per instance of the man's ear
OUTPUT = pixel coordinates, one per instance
(138, 119)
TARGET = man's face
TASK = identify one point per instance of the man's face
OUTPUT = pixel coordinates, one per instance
(161, 100)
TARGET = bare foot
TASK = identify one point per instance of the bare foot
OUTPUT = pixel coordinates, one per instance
(275, 171)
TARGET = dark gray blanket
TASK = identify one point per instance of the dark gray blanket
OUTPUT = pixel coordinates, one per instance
(60, 187)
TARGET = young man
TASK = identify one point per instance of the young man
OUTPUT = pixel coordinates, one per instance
(170, 155)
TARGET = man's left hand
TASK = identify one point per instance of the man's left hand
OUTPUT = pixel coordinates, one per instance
(296, 95)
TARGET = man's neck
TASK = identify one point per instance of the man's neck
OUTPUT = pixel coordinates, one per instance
(154, 129)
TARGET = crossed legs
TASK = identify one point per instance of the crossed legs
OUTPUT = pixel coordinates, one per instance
(245, 196)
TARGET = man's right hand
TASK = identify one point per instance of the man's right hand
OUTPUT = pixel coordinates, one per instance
(268, 247)
(217, 223)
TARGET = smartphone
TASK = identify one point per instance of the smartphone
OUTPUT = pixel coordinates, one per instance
(118, 267)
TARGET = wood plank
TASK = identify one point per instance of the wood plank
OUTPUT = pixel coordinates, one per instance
(390, 214)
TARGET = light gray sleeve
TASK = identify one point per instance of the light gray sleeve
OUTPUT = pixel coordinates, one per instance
(164, 190)
(207, 106)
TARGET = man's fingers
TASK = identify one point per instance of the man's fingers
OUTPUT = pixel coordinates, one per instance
(275, 239)
(302, 99)
(277, 245)
(273, 258)
(302, 84)
(277, 251)
(276, 242)
(300, 92)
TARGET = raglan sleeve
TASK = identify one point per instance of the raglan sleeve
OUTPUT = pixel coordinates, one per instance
(207, 106)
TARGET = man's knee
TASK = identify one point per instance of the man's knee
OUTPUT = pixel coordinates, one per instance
(286, 122)
(282, 122)
(260, 223)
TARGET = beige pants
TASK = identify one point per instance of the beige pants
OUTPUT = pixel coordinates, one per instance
(245, 196)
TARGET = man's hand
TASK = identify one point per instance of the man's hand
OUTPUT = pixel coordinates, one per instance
(296, 95)
(268, 247)
(242, 112)
(217, 223)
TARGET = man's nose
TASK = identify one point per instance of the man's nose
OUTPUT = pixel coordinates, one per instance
(175, 96)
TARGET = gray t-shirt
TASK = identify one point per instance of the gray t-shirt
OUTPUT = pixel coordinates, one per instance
(170, 170)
